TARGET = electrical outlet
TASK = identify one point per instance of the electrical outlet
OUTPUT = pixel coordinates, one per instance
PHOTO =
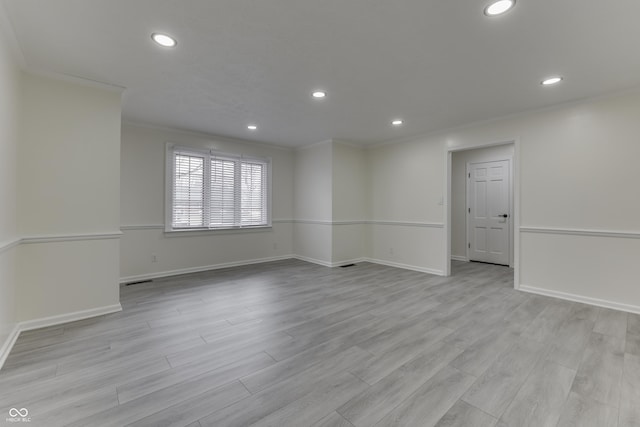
(275, 246)
(391, 251)
(154, 258)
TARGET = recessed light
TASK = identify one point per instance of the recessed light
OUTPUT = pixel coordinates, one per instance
(252, 127)
(397, 122)
(499, 7)
(319, 94)
(551, 81)
(164, 40)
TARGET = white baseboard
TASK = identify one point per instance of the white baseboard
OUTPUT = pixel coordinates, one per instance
(459, 258)
(371, 260)
(323, 263)
(327, 263)
(347, 262)
(405, 266)
(68, 317)
(582, 299)
(8, 344)
(313, 260)
(51, 321)
(168, 273)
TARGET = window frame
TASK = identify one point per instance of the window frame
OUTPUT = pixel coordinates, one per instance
(208, 154)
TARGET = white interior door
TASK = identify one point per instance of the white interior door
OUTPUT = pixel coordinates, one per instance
(488, 211)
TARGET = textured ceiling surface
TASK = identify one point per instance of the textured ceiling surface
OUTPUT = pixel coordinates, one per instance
(434, 63)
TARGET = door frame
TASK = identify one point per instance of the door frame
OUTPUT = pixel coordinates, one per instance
(510, 225)
(453, 146)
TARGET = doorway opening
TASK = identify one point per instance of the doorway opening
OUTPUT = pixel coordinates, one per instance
(482, 200)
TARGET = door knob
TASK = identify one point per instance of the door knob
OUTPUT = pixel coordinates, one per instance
(503, 216)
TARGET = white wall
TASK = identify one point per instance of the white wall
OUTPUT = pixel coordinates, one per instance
(68, 198)
(406, 191)
(459, 191)
(10, 90)
(313, 202)
(330, 195)
(349, 202)
(142, 209)
(578, 175)
(319, 207)
(313, 182)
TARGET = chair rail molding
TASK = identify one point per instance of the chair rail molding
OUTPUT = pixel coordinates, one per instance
(581, 232)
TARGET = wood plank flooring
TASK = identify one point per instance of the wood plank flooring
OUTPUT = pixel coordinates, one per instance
(290, 343)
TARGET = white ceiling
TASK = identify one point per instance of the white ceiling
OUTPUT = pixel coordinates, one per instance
(434, 63)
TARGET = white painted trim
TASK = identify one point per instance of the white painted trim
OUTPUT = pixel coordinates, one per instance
(70, 237)
(4, 246)
(309, 221)
(582, 299)
(68, 317)
(217, 231)
(169, 178)
(169, 273)
(515, 173)
(327, 263)
(448, 218)
(312, 221)
(313, 144)
(207, 154)
(8, 344)
(371, 222)
(343, 142)
(135, 227)
(448, 155)
(9, 244)
(70, 78)
(203, 230)
(407, 223)
(179, 271)
(322, 222)
(484, 122)
(356, 145)
(207, 136)
(347, 262)
(405, 266)
(51, 321)
(312, 260)
(142, 227)
(459, 258)
(582, 232)
(323, 263)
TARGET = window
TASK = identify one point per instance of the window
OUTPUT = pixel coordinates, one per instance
(210, 190)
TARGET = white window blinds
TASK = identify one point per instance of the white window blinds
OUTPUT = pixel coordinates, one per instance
(223, 193)
(188, 191)
(213, 190)
(254, 197)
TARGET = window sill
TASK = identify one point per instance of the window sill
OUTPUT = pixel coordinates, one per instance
(217, 231)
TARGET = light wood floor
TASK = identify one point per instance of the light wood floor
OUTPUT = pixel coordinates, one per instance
(295, 344)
